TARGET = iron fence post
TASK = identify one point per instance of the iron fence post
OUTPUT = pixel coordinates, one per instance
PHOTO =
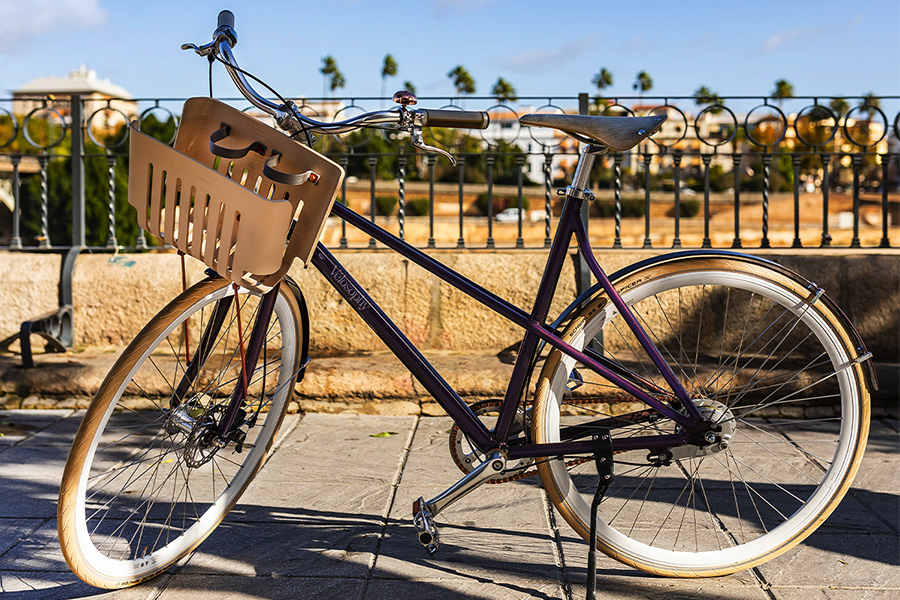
(345, 161)
(461, 161)
(373, 160)
(736, 167)
(856, 160)
(885, 241)
(77, 132)
(795, 161)
(826, 186)
(707, 242)
(676, 164)
(548, 198)
(15, 242)
(431, 159)
(648, 243)
(401, 177)
(489, 161)
(520, 162)
(767, 162)
(111, 240)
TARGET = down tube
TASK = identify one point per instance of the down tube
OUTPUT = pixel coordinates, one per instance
(400, 345)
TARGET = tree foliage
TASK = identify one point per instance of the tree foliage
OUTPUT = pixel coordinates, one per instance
(504, 91)
(334, 79)
(643, 82)
(462, 80)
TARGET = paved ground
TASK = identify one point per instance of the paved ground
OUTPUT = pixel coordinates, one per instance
(329, 517)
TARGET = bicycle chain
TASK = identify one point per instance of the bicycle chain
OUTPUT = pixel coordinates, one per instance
(487, 404)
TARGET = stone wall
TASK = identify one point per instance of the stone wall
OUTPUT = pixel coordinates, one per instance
(115, 295)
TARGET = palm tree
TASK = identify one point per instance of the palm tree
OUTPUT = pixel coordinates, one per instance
(703, 96)
(642, 83)
(603, 79)
(870, 105)
(334, 79)
(871, 102)
(462, 81)
(839, 107)
(783, 89)
(388, 69)
(504, 91)
(409, 87)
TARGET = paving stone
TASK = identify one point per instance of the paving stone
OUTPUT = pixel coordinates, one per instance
(17, 425)
(342, 448)
(13, 531)
(338, 548)
(467, 552)
(30, 478)
(624, 588)
(619, 575)
(820, 593)
(294, 500)
(190, 587)
(839, 560)
(468, 587)
(38, 552)
(61, 586)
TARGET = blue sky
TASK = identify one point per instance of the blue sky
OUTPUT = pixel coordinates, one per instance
(543, 48)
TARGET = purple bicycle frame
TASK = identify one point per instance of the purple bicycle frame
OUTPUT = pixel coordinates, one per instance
(535, 328)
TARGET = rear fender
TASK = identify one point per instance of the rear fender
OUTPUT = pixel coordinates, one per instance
(590, 293)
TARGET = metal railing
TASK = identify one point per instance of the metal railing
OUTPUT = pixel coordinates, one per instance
(742, 172)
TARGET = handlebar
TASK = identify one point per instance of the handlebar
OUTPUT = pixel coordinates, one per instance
(226, 19)
(291, 120)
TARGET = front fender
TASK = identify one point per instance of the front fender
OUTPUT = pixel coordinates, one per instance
(304, 325)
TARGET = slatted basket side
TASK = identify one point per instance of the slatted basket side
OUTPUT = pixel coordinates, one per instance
(228, 212)
(205, 214)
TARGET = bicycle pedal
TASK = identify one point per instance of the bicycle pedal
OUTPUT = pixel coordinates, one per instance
(425, 529)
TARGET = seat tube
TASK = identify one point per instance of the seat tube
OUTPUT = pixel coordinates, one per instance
(558, 250)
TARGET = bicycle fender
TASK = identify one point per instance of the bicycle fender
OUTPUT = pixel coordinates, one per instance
(859, 344)
(304, 325)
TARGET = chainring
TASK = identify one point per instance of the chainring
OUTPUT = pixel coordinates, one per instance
(467, 457)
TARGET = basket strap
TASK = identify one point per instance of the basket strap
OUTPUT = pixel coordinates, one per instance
(231, 153)
(286, 178)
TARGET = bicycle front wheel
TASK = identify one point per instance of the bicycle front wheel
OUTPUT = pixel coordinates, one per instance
(765, 359)
(146, 479)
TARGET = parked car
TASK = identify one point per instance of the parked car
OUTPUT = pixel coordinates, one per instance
(508, 215)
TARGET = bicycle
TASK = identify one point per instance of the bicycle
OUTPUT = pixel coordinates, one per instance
(659, 384)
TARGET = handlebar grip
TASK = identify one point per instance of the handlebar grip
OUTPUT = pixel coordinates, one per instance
(226, 19)
(467, 119)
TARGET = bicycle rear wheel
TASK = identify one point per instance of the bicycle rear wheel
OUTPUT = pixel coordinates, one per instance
(764, 357)
(144, 484)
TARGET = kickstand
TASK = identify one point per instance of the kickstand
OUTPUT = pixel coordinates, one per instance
(603, 455)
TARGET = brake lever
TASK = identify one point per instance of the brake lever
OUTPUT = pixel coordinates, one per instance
(415, 134)
(204, 50)
(410, 120)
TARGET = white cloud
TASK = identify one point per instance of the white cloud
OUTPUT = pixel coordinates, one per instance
(777, 40)
(22, 22)
(540, 60)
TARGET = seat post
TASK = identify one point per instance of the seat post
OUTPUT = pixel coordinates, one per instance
(582, 178)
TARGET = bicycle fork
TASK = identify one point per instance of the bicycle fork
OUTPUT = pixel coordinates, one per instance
(181, 416)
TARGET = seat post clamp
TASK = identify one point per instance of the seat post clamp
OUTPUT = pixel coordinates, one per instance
(581, 194)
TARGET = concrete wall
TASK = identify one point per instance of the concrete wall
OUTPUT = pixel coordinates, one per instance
(115, 295)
